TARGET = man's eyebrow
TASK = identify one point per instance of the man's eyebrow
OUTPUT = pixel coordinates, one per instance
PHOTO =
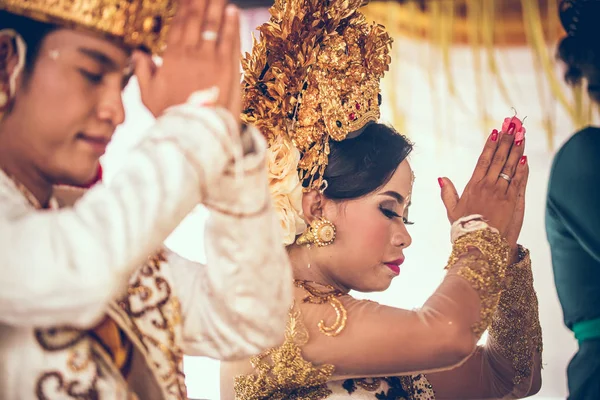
(99, 57)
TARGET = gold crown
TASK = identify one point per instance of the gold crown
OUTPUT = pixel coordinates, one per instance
(314, 75)
(134, 23)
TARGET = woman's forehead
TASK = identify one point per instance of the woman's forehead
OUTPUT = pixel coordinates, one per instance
(401, 181)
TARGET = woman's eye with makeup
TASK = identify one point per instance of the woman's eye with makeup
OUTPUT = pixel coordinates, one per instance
(390, 214)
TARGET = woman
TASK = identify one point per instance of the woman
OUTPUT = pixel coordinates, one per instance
(91, 307)
(572, 216)
(312, 85)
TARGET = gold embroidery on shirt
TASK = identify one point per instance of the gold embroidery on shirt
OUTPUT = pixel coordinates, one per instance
(150, 299)
(282, 372)
(80, 361)
(56, 383)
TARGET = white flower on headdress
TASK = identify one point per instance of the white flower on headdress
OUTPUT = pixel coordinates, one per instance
(282, 158)
(285, 186)
(289, 218)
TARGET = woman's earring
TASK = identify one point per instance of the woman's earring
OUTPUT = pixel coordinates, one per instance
(320, 232)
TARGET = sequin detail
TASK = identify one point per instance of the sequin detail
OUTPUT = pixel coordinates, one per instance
(516, 330)
(485, 271)
(282, 372)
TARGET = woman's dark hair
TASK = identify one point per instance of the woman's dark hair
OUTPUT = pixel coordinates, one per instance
(581, 46)
(32, 32)
(361, 165)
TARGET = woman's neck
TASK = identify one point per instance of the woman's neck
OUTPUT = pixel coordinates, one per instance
(306, 269)
(26, 174)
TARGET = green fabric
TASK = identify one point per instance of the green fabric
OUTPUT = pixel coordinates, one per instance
(573, 230)
(573, 226)
(586, 330)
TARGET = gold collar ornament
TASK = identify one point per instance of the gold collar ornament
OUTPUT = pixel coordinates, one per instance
(313, 76)
(133, 23)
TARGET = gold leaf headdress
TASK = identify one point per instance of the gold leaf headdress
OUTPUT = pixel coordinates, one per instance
(134, 23)
(314, 76)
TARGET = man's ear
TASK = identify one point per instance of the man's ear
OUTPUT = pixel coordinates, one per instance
(12, 61)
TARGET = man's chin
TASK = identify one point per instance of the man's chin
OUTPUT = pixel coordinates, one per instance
(82, 180)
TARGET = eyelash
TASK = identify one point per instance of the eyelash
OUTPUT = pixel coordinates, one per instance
(93, 78)
(391, 215)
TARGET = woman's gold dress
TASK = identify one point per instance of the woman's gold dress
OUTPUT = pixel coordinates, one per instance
(329, 342)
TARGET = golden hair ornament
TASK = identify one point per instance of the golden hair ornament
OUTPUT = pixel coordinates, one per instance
(313, 76)
(320, 232)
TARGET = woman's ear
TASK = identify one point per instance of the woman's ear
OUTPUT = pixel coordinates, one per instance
(312, 206)
(12, 61)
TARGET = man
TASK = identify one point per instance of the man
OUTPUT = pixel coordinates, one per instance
(91, 305)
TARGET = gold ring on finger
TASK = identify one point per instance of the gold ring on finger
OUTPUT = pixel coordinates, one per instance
(504, 176)
(209, 36)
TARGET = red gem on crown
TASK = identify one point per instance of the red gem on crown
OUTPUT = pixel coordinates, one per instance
(352, 116)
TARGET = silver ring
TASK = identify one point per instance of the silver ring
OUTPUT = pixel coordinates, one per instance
(210, 36)
(504, 176)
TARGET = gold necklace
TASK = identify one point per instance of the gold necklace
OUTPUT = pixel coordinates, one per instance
(320, 296)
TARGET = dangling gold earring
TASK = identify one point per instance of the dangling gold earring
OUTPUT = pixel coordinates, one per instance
(320, 232)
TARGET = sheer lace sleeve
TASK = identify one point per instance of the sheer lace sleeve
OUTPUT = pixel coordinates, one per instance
(349, 338)
(509, 365)
(379, 340)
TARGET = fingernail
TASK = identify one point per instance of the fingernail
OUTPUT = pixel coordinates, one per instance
(511, 128)
(519, 142)
(523, 160)
(441, 182)
(231, 9)
(494, 135)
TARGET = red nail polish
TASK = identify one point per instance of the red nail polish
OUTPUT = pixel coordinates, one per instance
(494, 135)
(518, 142)
(441, 182)
(511, 128)
(523, 160)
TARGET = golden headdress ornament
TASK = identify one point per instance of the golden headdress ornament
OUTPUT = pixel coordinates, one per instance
(134, 23)
(314, 76)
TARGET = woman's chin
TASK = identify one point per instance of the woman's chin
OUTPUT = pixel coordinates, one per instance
(381, 285)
